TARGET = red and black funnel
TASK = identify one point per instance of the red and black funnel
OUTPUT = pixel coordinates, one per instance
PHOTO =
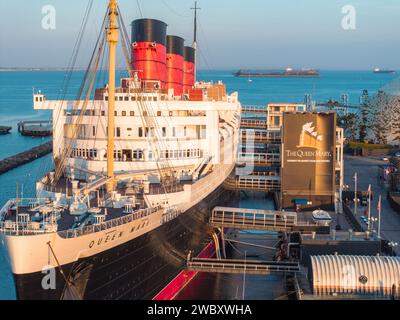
(149, 39)
(175, 51)
(188, 68)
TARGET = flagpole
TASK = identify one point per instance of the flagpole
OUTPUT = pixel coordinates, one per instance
(379, 217)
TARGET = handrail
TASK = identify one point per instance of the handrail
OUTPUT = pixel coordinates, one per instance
(139, 214)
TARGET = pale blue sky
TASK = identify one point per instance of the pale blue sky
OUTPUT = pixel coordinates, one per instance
(232, 33)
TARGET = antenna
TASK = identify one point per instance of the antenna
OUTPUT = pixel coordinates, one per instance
(196, 8)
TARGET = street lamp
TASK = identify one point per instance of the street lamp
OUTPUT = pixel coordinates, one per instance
(393, 244)
(373, 219)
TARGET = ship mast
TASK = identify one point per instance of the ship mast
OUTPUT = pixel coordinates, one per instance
(196, 8)
(112, 39)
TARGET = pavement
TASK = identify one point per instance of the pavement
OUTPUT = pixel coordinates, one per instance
(367, 173)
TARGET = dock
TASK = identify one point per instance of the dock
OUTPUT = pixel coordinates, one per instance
(5, 129)
(19, 159)
(38, 128)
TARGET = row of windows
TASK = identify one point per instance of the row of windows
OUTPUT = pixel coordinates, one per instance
(129, 155)
(146, 132)
(84, 153)
(134, 98)
(124, 113)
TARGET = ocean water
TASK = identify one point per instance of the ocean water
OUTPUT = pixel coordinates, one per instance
(16, 105)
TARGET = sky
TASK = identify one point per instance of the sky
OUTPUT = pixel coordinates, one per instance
(252, 34)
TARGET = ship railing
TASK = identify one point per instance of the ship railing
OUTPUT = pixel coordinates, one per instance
(23, 202)
(26, 228)
(139, 214)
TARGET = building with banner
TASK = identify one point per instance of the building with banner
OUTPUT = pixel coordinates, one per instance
(311, 160)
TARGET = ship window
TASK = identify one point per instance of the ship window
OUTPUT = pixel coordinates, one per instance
(123, 113)
(188, 153)
(276, 121)
(126, 98)
(106, 98)
(132, 113)
(164, 131)
(144, 98)
(184, 131)
(115, 113)
(94, 130)
(276, 109)
(154, 98)
(170, 113)
(120, 98)
(127, 154)
(138, 154)
(174, 132)
(129, 129)
(158, 113)
(103, 113)
(146, 132)
(139, 98)
(150, 155)
(144, 113)
(118, 131)
(140, 132)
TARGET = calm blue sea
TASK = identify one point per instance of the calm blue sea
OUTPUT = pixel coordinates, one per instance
(16, 105)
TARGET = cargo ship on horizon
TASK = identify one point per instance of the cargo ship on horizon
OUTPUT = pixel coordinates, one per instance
(288, 72)
(377, 70)
(137, 169)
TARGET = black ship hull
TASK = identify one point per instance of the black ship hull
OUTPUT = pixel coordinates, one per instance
(138, 269)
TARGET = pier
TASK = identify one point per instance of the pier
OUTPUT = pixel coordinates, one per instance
(38, 128)
(19, 159)
(5, 129)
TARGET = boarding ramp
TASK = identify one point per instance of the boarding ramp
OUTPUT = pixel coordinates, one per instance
(255, 219)
(236, 266)
(253, 183)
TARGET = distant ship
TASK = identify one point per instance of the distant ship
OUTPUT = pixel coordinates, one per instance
(377, 70)
(288, 72)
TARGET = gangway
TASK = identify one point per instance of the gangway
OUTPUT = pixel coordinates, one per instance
(253, 183)
(261, 136)
(254, 123)
(254, 109)
(255, 219)
(255, 267)
(265, 159)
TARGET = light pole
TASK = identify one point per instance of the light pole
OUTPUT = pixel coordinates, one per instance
(373, 219)
(355, 193)
(379, 215)
(369, 208)
(244, 273)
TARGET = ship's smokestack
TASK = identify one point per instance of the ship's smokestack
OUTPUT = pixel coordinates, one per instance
(189, 68)
(175, 53)
(149, 39)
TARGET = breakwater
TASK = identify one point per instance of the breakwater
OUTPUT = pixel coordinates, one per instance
(21, 158)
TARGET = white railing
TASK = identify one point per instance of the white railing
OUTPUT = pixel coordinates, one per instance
(142, 213)
(23, 202)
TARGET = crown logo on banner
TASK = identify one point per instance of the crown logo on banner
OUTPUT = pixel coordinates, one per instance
(309, 137)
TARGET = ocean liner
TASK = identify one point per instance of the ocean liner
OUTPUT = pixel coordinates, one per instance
(136, 169)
